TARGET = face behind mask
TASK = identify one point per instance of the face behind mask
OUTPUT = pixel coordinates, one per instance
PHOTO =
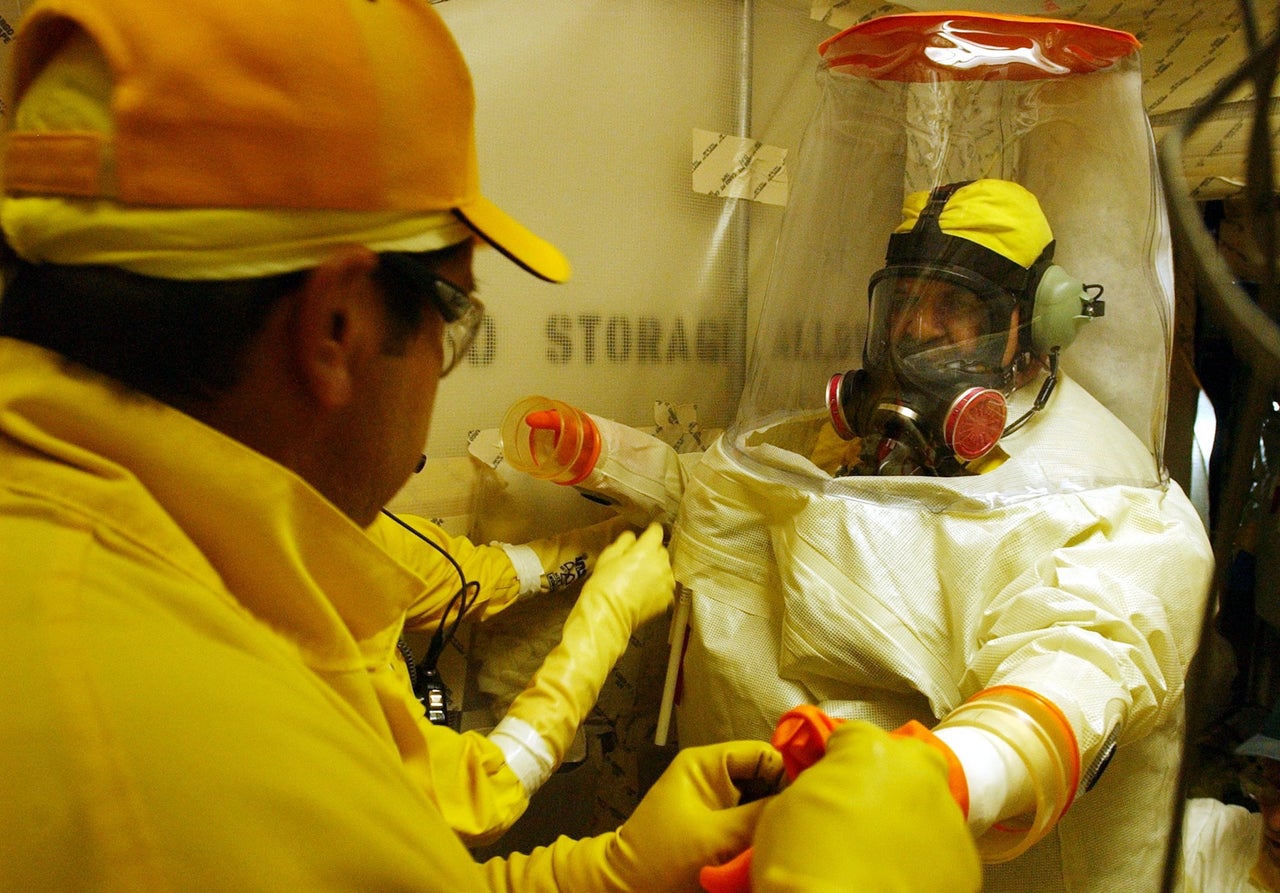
(968, 302)
(939, 358)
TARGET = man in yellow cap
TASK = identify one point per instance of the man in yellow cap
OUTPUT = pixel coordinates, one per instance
(242, 241)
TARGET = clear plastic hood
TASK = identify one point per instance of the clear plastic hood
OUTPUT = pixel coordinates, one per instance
(911, 102)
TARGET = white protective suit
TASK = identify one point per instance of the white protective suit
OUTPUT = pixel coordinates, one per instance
(896, 598)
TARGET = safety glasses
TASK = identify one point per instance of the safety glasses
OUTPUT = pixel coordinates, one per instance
(462, 312)
(459, 333)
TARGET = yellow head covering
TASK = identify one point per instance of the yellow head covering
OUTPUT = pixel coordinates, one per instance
(295, 131)
(997, 214)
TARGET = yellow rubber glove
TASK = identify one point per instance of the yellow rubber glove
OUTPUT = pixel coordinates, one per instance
(632, 582)
(875, 814)
(691, 817)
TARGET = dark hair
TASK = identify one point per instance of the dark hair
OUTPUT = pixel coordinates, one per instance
(176, 340)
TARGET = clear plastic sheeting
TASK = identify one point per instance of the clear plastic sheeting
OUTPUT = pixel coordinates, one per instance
(913, 101)
(584, 116)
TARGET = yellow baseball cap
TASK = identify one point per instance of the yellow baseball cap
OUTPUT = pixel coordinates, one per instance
(350, 111)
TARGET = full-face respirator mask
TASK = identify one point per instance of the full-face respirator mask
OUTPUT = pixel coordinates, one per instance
(954, 324)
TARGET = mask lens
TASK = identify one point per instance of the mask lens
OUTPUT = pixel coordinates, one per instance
(937, 328)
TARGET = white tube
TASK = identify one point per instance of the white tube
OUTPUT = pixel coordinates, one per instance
(636, 472)
(675, 640)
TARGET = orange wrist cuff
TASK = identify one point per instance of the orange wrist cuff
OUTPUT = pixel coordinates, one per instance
(955, 772)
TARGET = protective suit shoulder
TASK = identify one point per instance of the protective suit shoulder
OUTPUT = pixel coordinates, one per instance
(489, 566)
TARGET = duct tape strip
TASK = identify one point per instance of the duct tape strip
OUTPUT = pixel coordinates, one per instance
(527, 754)
(527, 565)
(738, 167)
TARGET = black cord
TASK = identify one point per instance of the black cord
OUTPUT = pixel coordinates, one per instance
(1041, 398)
(426, 681)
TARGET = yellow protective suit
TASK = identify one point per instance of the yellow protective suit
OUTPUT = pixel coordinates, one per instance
(501, 772)
(506, 572)
(1062, 572)
(488, 797)
(200, 689)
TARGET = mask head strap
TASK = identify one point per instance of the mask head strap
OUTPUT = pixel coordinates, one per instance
(925, 244)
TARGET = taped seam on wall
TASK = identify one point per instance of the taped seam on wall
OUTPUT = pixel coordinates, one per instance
(738, 167)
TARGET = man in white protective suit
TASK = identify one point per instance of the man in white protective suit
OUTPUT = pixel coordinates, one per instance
(964, 543)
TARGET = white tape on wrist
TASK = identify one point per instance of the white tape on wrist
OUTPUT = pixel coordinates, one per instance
(998, 782)
(528, 755)
(527, 565)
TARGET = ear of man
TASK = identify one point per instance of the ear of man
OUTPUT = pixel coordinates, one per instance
(338, 325)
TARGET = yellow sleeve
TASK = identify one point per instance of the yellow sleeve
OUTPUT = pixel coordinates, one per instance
(552, 868)
(468, 779)
(469, 776)
(504, 572)
(489, 566)
(632, 583)
(463, 774)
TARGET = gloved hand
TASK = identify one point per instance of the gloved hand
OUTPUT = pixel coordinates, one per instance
(874, 814)
(632, 582)
(801, 737)
(689, 818)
